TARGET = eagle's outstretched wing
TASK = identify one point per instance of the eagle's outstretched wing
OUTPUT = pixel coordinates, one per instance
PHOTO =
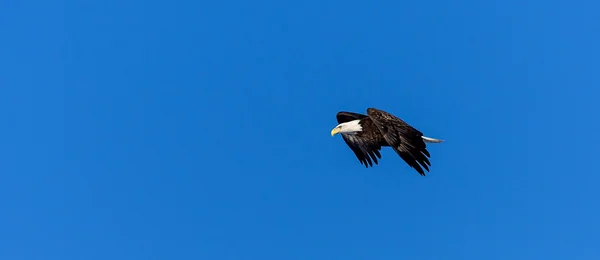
(406, 141)
(365, 145)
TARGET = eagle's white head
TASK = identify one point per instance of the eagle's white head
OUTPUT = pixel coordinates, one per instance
(347, 128)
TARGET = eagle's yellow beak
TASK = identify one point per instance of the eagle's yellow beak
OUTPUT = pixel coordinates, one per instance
(335, 131)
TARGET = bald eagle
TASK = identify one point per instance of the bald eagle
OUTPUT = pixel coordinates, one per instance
(366, 134)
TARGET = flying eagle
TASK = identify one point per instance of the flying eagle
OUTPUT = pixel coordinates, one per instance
(366, 134)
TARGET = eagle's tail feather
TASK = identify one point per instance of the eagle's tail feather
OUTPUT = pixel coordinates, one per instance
(431, 140)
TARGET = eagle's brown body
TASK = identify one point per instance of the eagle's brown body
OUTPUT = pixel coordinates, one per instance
(381, 129)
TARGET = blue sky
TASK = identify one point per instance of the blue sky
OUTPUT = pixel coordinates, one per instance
(200, 129)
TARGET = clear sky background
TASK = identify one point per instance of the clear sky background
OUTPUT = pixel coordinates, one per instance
(201, 129)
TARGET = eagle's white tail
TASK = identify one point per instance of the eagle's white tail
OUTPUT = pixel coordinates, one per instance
(431, 140)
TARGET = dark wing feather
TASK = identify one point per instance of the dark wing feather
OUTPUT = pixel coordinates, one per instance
(365, 144)
(406, 141)
(343, 116)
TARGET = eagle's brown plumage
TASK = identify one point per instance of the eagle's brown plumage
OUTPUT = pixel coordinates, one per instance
(381, 129)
